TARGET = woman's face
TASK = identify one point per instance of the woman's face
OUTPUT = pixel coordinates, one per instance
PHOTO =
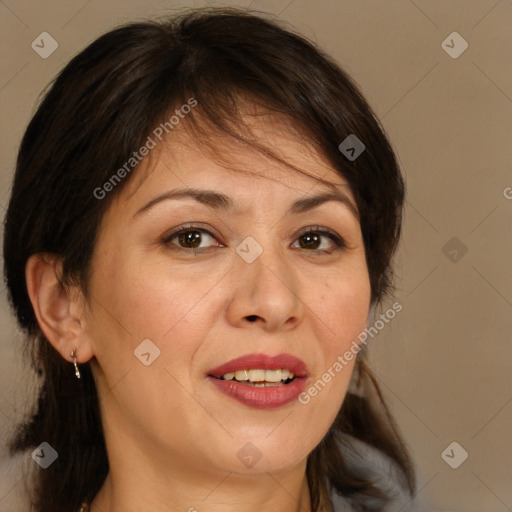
(246, 278)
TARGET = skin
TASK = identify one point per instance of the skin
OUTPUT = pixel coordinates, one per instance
(172, 437)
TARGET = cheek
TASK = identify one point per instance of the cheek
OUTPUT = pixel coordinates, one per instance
(148, 304)
(149, 300)
(341, 318)
(345, 305)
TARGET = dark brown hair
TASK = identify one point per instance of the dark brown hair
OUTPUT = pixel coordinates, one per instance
(99, 110)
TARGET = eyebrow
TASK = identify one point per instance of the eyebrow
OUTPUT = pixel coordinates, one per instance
(220, 201)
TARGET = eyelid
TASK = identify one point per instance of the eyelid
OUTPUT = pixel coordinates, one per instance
(336, 238)
(198, 226)
(318, 229)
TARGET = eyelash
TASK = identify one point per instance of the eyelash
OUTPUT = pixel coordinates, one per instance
(339, 243)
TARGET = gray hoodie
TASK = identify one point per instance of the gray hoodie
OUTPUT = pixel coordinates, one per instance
(383, 471)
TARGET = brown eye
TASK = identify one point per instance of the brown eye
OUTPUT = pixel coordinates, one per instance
(310, 241)
(320, 240)
(190, 238)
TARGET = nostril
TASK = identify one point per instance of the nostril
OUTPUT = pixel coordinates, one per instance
(252, 318)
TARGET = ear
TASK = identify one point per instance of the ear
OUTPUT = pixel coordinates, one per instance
(60, 311)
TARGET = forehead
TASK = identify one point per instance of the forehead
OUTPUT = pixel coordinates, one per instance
(273, 150)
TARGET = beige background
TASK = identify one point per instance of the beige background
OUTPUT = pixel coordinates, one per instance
(445, 361)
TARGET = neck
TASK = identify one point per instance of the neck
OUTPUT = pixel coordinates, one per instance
(222, 493)
(142, 479)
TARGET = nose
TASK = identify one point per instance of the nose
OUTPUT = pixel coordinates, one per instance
(265, 292)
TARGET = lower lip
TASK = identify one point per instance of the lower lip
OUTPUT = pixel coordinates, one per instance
(270, 397)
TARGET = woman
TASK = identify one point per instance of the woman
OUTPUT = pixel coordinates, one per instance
(202, 221)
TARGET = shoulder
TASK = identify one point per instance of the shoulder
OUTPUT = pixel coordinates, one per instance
(384, 472)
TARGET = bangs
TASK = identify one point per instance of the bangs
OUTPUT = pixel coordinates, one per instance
(223, 125)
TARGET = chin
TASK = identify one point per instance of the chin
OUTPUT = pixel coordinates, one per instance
(274, 453)
(264, 465)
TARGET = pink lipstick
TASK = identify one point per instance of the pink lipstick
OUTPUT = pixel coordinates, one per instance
(261, 381)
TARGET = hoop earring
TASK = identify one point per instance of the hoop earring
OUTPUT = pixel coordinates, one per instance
(77, 371)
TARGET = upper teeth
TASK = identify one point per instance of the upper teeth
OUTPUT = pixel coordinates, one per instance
(259, 375)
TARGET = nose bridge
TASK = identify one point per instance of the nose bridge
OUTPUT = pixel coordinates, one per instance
(271, 268)
(266, 287)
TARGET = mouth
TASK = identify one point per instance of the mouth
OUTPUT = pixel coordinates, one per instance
(260, 381)
(260, 377)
